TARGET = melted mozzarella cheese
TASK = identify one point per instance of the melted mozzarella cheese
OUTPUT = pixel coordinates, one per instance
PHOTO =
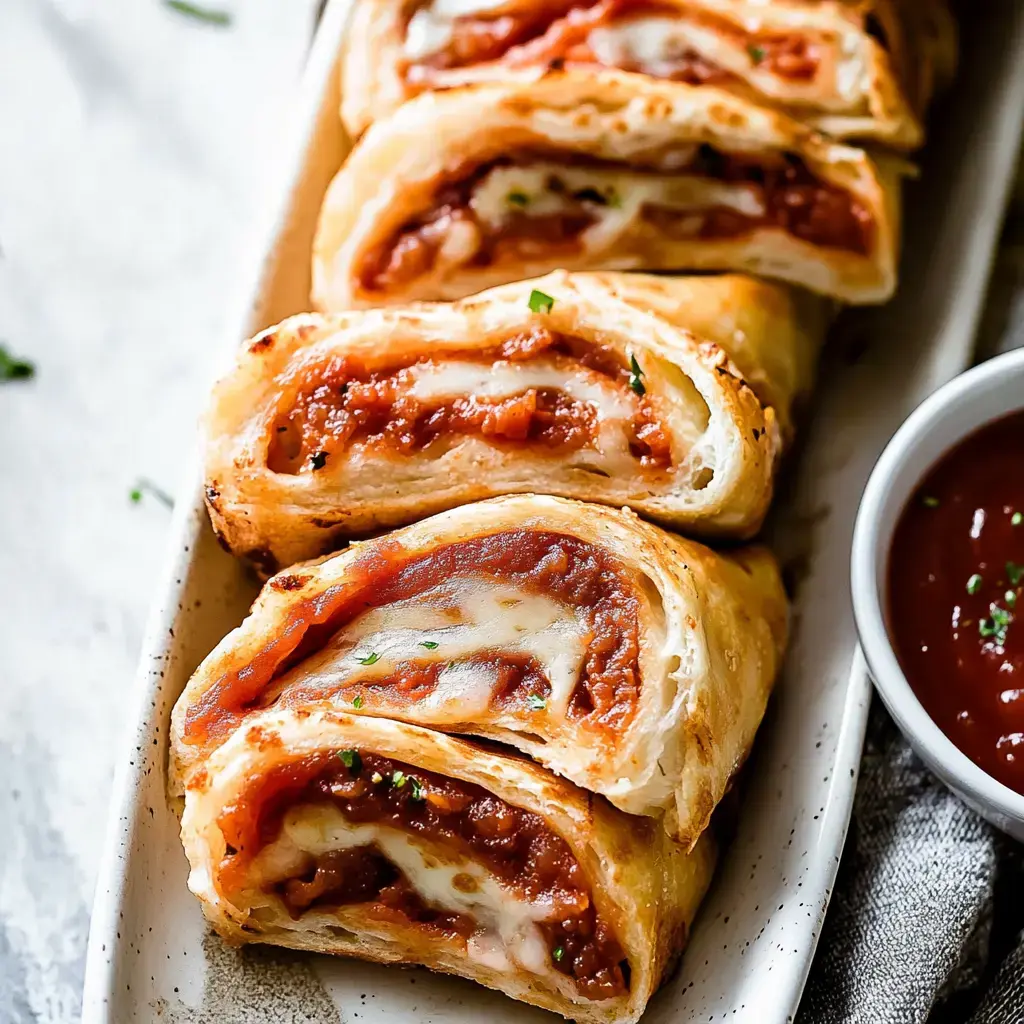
(503, 379)
(626, 193)
(506, 932)
(462, 618)
(431, 27)
(657, 44)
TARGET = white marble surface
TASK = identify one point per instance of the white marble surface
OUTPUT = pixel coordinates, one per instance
(137, 148)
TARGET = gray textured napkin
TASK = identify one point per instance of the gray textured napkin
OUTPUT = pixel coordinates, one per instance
(926, 918)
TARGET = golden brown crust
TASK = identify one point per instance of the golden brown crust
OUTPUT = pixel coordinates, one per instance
(646, 886)
(712, 633)
(392, 177)
(713, 417)
(858, 97)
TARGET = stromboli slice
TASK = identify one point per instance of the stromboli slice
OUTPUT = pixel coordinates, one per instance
(388, 842)
(817, 61)
(331, 427)
(599, 171)
(631, 661)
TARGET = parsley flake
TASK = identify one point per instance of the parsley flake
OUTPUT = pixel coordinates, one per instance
(418, 792)
(539, 302)
(398, 779)
(974, 584)
(930, 501)
(518, 199)
(1014, 573)
(557, 953)
(13, 368)
(431, 645)
(757, 53)
(536, 702)
(357, 702)
(351, 760)
(143, 487)
(211, 17)
(997, 626)
(1017, 518)
(635, 373)
(1010, 597)
(371, 659)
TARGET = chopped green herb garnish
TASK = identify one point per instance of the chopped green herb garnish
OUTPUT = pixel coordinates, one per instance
(1014, 573)
(1017, 518)
(929, 501)
(536, 702)
(557, 953)
(974, 584)
(398, 779)
(539, 302)
(418, 792)
(757, 53)
(431, 645)
(997, 626)
(13, 368)
(357, 702)
(518, 199)
(376, 777)
(635, 373)
(211, 17)
(1010, 597)
(318, 460)
(371, 659)
(351, 760)
(144, 486)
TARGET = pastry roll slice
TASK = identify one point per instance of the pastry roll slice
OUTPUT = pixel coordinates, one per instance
(814, 61)
(392, 843)
(470, 188)
(334, 426)
(632, 662)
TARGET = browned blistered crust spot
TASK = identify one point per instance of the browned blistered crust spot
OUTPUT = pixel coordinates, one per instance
(289, 582)
(263, 341)
(465, 883)
(263, 739)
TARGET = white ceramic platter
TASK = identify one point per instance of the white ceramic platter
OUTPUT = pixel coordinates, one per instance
(150, 955)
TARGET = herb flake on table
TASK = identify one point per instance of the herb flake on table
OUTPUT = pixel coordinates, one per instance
(371, 659)
(757, 53)
(209, 15)
(418, 792)
(996, 627)
(144, 487)
(974, 584)
(930, 501)
(1014, 573)
(431, 645)
(14, 368)
(536, 702)
(351, 760)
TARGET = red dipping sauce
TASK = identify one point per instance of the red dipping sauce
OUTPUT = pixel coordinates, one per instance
(956, 597)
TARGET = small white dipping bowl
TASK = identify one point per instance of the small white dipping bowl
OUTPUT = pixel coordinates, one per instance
(981, 395)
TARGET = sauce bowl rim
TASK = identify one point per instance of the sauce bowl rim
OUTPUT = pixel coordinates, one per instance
(987, 390)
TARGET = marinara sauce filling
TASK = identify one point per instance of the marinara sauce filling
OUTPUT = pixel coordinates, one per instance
(793, 199)
(585, 578)
(342, 403)
(516, 846)
(560, 30)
